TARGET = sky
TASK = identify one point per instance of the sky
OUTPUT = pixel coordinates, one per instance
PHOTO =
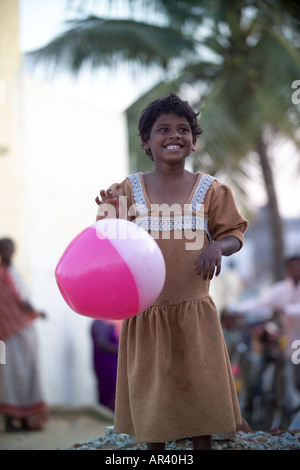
(41, 20)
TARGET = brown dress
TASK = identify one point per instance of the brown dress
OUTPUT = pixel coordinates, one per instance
(174, 376)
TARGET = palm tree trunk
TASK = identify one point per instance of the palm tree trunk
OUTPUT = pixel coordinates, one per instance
(275, 219)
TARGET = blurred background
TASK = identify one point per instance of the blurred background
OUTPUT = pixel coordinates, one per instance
(74, 78)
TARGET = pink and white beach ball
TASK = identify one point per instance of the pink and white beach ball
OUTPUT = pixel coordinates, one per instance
(112, 270)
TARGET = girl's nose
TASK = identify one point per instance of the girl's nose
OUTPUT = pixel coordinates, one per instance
(174, 134)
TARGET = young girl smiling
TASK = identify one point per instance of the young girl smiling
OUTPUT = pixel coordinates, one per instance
(174, 376)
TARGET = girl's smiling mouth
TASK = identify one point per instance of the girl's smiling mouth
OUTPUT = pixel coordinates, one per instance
(173, 147)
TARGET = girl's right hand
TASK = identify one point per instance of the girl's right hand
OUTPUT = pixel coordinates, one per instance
(110, 202)
(107, 197)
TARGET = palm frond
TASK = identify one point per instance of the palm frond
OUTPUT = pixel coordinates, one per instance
(179, 13)
(99, 42)
(206, 71)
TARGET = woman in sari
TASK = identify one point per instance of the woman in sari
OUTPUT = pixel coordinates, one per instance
(21, 400)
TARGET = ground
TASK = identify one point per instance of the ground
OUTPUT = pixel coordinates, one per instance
(91, 428)
(65, 427)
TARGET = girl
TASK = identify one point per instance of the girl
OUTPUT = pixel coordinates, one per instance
(174, 377)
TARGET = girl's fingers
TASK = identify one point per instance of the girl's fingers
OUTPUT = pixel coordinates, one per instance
(107, 194)
(218, 270)
(211, 272)
(208, 270)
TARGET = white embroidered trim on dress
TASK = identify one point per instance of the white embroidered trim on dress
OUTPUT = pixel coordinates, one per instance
(138, 193)
(161, 224)
(183, 222)
(200, 193)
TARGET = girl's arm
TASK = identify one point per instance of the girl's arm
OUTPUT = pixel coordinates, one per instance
(210, 260)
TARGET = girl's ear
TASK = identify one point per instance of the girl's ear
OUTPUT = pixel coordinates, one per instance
(193, 148)
(145, 145)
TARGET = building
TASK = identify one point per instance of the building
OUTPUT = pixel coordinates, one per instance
(56, 153)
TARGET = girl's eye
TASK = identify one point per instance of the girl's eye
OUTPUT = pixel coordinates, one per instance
(181, 130)
(165, 129)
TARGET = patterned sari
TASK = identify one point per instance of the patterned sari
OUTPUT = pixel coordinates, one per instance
(20, 391)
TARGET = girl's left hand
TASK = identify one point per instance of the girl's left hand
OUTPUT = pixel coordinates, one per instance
(209, 262)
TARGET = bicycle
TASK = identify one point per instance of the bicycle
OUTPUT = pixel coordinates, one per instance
(255, 345)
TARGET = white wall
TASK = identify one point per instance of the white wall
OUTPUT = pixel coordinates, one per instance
(70, 151)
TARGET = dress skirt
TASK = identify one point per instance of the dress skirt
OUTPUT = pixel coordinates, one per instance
(174, 376)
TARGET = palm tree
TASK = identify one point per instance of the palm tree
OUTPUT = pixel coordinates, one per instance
(248, 100)
(239, 59)
(253, 95)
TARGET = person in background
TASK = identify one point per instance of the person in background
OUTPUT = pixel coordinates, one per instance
(227, 288)
(105, 359)
(21, 400)
(282, 303)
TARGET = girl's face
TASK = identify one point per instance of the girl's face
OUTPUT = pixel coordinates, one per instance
(171, 139)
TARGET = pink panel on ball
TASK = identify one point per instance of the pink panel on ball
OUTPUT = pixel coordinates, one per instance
(141, 254)
(94, 280)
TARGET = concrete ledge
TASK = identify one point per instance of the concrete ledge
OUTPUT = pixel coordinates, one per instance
(97, 411)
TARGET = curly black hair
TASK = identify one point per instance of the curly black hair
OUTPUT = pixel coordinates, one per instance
(167, 105)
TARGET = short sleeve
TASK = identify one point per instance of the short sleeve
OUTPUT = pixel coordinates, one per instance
(224, 218)
(124, 191)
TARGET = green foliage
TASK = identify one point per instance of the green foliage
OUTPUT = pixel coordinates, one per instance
(97, 42)
(234, 61)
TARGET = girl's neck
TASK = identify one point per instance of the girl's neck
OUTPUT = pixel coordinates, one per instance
(169, 173)
(169, 187)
